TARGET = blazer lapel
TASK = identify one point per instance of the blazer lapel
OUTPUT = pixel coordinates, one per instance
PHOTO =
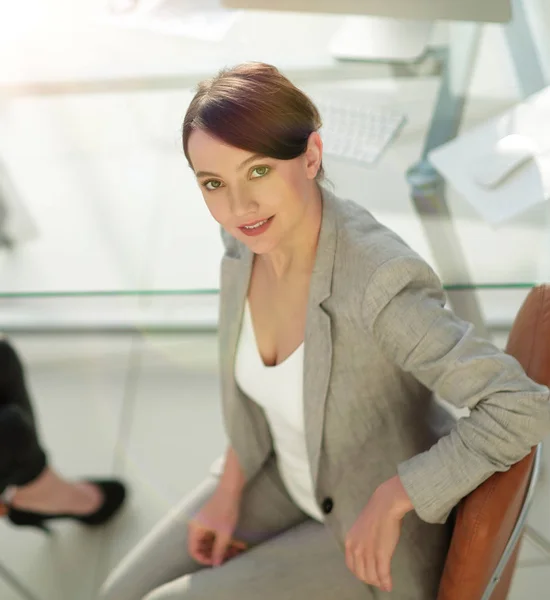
(318, 340)
(246, 424)
(235, 275)
(235, 278)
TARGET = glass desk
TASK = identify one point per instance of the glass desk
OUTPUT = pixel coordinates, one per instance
(90, 140)
(123, 237)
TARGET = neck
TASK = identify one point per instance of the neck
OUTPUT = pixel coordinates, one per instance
(297, 252)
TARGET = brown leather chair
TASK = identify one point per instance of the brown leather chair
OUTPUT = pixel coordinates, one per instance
(490, 521)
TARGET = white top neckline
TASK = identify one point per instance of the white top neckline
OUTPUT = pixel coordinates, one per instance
(278, 391)
(297, 352)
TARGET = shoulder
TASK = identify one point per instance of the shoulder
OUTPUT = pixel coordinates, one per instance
(378, 270)
(370, 251)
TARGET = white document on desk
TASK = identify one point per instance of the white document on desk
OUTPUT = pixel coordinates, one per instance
(527, 186)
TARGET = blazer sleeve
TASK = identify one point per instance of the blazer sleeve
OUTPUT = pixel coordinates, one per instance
(404, 309)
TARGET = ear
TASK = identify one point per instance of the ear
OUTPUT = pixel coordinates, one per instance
(313, 154)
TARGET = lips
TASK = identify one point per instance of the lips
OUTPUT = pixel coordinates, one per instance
(256, 227)
(253, 223)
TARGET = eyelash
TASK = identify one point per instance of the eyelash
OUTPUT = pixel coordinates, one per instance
(252, 170)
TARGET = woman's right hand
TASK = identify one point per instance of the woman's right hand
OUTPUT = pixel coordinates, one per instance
(211, 531)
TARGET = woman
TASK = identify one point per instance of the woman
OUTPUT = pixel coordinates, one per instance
(333, 335)
(32, 493)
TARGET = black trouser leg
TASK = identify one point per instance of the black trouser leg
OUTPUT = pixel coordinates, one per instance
(21, 456)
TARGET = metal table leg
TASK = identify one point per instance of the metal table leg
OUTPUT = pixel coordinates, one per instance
(427, 185)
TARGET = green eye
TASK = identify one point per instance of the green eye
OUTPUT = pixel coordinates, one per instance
(212, 184)
(260, 172)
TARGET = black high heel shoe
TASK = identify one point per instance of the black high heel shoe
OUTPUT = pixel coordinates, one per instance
(114, 494)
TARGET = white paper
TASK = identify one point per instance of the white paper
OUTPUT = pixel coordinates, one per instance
(199, 19)
(529, 185)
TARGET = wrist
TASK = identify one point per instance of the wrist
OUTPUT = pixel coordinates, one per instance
(232, 481)
(399, 501)
(230, 491)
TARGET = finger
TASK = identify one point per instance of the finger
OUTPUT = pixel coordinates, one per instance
(233, 552)
(193, 541)
(235, 548)
(205, 552)
(198, 544)
(369, 563)
(221, 544)
(238, 544)
(360, 567)
(383, 563)
(207, 536)
(207, 541)
(383, 571)
(205, 546)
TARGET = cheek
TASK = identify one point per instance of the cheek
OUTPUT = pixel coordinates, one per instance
(293, 181)
(289, 195)
(218, 207)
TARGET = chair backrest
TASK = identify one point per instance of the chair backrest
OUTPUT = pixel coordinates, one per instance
(489, 521)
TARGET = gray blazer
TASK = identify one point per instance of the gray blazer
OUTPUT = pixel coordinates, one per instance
(378, 342)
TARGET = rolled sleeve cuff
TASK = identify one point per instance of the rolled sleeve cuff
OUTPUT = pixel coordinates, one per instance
(433, 494)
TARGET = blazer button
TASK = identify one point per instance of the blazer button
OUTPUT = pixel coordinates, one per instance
(327, 505)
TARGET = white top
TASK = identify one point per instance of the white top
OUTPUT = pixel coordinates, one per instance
(279, 391)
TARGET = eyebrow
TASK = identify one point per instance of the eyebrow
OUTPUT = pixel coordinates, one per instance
(243, 164)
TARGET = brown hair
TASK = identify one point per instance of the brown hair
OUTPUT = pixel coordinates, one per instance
(253, 107)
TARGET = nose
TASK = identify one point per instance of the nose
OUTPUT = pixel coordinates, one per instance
(242, 203)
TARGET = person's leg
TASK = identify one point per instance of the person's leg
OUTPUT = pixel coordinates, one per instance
(22, 458)
(162, 556)
(12, 380)
(23, 463)
(303, 562)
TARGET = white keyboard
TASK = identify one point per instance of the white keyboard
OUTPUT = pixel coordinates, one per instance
(356, 132)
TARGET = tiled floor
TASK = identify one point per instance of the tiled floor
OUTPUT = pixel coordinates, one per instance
(144, 407)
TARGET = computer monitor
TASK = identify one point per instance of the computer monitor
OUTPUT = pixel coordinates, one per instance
(498, 11)
(381, 39)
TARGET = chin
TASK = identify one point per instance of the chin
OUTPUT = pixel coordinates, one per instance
(258, 246)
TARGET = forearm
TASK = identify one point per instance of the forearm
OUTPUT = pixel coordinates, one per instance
(232, 480)
(404, 309)
(499, 432)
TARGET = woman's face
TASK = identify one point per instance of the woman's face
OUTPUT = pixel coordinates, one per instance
(257, 199)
